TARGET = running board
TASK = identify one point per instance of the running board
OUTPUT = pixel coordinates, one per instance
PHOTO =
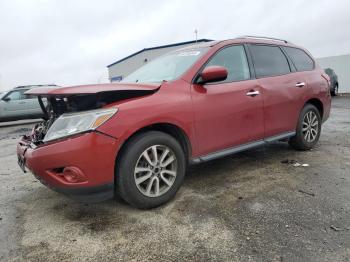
(241, 148)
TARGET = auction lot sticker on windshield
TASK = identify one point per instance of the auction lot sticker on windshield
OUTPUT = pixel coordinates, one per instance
(189, 53)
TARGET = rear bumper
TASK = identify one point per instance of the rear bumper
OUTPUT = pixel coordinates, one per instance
(81, 167)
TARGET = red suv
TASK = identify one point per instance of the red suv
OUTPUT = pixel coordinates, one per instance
(135, 138)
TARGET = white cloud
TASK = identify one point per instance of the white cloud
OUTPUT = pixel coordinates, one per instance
(71, 42)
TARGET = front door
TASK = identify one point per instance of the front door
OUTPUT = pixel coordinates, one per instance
(13, 105)
(228, 113)
(33, 106)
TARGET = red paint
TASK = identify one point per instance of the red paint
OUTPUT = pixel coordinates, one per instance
(224, 116)
(214, 73)
(90, 153)
(91, 89)
(212, 116)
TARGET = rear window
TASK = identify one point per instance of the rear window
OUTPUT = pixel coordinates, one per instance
(328, 71)
(300, 59)
(269, 61)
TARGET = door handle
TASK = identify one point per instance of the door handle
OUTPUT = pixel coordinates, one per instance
(300, 84)
(253, 93)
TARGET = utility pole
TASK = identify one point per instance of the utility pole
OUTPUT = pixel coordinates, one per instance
(196, 32)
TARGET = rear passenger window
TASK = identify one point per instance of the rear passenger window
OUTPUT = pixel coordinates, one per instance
(234, 59)
(29, 96)
(269, 60)
(300, 59)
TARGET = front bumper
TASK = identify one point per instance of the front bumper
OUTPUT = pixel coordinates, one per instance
(81, 167)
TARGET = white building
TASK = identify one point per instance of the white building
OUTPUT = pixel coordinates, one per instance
(123, 67)
(341, 65)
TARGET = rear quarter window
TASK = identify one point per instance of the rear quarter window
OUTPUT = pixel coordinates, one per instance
(301, 60)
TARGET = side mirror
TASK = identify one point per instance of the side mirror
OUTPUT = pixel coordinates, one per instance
(6, 99)
(213, 74)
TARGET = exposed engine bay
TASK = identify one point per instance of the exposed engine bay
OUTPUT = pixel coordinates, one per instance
(53, 106)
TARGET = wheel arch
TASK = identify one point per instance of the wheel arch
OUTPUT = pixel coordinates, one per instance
(318, 104)
(171, 129)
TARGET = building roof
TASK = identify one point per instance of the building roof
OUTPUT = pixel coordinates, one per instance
(159, 47)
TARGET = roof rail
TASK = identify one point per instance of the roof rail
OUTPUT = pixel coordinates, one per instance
(27, 86)
(263, 37)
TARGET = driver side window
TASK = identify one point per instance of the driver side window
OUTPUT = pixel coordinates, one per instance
(15, 95)
(234, 59)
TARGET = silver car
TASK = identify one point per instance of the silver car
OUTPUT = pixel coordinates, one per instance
(15, 105)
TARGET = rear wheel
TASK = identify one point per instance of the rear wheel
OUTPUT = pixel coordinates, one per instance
(308, 130)
(335, 91)
(150, 170)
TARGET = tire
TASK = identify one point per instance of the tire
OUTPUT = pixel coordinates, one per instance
(301, 141)
(335, 91)
(138, 163)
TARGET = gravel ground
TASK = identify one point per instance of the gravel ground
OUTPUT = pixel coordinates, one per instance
(246, 207)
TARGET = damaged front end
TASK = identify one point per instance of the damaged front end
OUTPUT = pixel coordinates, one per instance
(76, 166)
(54, 107)
(68, 113)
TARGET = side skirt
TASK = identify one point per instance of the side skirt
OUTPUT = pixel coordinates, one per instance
(241, 148)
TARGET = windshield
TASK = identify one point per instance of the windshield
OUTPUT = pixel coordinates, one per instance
(167, 67)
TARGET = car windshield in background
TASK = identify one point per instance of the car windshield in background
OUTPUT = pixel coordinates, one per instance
(167, 67)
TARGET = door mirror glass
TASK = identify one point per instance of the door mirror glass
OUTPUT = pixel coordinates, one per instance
(6, 99)
(213, 74)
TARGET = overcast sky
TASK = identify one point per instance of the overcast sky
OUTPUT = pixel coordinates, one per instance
(70, 42)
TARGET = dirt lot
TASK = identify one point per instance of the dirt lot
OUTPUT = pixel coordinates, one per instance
(247, 207)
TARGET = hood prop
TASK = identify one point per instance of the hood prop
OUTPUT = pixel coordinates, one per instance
(42, 106)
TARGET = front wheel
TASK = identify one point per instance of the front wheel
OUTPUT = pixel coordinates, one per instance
(308, 129)
(150, 170)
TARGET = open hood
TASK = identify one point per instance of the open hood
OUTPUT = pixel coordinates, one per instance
(93, 89)
(57, 101)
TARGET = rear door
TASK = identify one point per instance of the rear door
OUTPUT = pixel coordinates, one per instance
(226, 115)
(32, 105)
(282, 88)
(306, 66)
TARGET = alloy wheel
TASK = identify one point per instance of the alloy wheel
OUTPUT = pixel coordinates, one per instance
(310, 127)
(155, 171)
